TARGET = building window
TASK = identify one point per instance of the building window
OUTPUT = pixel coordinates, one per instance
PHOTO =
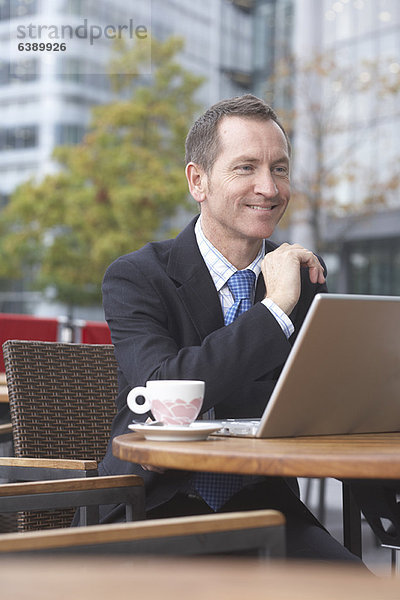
(373, 267)
(17, 169)
(17, 138)
(75, 7)
(21, 72)
(106, 12)
(68, 134)
(13, 9)
(83, 72)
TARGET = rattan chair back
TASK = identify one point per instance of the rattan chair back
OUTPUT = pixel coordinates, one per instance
(61, 404)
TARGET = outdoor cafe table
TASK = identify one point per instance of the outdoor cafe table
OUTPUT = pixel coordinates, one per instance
(102, 578)
(358, 456)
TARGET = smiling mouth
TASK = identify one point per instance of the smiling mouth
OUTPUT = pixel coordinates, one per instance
(261, 208)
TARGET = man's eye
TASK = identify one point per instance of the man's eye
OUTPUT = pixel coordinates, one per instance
(244, 168)
(281, 170)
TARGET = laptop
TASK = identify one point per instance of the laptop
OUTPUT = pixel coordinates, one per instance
(342, 375)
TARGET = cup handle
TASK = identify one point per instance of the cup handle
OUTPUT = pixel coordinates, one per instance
(134, 405)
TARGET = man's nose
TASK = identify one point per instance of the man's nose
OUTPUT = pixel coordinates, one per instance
(265, 184)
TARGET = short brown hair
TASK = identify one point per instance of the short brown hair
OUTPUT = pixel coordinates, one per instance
(202, 142)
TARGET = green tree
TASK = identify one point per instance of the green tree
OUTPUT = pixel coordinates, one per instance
(114, 190)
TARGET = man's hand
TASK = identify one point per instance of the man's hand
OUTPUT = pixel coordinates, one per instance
(281, 271)
(154, 469)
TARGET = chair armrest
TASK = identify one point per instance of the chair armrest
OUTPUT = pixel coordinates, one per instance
(36, 469)
(223, 532)
(50, 463)
(82, 492)
(3, 394)
(5, 428)
(68, 485)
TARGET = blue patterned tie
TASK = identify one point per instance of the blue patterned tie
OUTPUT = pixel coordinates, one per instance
(241, 284)
(217, 488)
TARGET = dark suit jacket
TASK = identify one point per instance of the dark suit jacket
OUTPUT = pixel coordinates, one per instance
(166, 322)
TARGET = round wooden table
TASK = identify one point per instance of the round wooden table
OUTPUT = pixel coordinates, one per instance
(360, 456)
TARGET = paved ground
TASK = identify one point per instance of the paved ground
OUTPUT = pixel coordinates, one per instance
(376, 558)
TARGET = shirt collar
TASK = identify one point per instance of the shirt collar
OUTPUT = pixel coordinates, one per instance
(220, 268)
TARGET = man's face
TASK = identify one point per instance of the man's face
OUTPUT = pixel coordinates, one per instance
(247, 191)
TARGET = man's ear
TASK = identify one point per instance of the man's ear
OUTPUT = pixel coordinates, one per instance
(197, 180)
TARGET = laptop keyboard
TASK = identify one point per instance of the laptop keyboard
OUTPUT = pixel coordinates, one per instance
(238, 427)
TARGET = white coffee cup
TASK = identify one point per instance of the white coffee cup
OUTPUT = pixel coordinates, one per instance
(173, 402)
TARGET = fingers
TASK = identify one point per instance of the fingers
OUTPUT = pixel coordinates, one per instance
(315, 270)
(281, 271)
(308, 259)
(317, 275)
(154, 469)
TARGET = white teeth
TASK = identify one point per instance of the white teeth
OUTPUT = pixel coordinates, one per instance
(261, 207)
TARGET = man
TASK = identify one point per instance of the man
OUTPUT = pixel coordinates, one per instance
(169, 308)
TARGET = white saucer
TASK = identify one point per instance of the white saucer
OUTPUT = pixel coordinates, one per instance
(175, 433)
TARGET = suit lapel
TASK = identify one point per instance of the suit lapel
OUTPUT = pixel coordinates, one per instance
(195, 285)
(260, 287)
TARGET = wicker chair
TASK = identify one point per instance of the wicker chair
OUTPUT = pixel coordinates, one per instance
(61, 405)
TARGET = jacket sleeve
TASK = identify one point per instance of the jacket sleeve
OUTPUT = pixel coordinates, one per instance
(145, 326)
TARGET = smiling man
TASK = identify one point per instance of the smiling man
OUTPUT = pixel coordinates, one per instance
(246, 191)
(223, 304)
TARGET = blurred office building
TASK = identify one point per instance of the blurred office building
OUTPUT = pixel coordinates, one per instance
(345, 93)
(236, 45)
(46, 95)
